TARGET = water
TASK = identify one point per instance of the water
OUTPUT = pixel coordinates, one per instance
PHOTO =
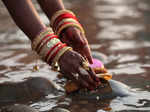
(118, 29)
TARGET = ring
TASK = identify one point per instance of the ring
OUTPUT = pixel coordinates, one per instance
(85, 65)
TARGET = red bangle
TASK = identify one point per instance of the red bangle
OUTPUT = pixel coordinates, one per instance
(43, 40)
(55, 36)
(55, 53)
(63, 16)
(51, 49)
(65, 24)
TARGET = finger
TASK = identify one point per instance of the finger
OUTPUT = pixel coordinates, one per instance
(86, 77)
(74, 38)
(75, 77)
(87, 53)
(83, 47)
(82, 83)
(86, 49)
(94, 77)
(78, 39)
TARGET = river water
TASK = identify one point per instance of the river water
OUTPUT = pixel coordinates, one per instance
(118, 29)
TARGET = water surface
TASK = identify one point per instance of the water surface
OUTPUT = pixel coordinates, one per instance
(118, 29)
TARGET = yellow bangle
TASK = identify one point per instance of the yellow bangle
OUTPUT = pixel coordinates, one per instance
(55, 65)
(39, 37)
(53, 42)
(68, 25)
(47, 47)
(63, 21)
(58, 13)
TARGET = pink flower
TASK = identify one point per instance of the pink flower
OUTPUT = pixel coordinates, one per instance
(96, 64)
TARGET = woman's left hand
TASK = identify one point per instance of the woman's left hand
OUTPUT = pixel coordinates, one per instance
(77, 40)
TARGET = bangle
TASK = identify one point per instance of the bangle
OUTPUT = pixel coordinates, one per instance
(48, 55)
(58, 13)
(43, 40)
(47, 47)
(63, 16)
(69, 20)
(65, 25)
(46, 41)
(55, 52)
(38, 38)
(63, 19)
(55, 64)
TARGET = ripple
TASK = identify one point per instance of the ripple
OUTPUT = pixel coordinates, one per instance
(132, 103)
(127, 58)
(132, 68)
(116, 12)
(122, 45)
(13, 60)
(118, 31)
(12, 37)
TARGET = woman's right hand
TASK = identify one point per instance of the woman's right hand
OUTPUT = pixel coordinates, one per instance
(71, 66)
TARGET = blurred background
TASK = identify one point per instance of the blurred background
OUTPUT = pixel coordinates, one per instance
(118, 30)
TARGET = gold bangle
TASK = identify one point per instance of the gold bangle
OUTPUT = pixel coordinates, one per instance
(55, 64)
(68, 25)
(58, 13)
(54, 50)
(39, 37)
(63, 21)
(38, 48)
(47, 47)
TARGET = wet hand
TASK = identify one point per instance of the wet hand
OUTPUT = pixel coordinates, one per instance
(71, 66)
(77, 40)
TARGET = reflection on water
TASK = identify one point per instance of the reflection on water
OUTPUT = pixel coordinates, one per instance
(117, 28)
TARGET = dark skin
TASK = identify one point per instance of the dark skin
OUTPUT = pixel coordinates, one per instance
(71, 35)
(28, 20)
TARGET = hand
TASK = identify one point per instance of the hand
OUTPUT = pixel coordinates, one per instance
(77, 40)
(71, 67)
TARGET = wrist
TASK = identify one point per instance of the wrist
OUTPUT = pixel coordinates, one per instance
(63, 19)
(49, 47)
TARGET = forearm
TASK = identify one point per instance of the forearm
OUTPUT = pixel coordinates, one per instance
(25, 16)
(51, 6)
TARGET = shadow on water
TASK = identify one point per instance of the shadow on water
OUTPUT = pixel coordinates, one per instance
(119, 29)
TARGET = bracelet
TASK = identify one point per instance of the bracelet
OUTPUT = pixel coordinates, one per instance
(68, 20)
(49, 45)
(52, 51)
(51, 38)
(58, 13)
(43, 41)
(63, 16)
(68, 25)
(63, 19)
(38, 38)
(55, 64)
(48, 55)
(55, 52)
